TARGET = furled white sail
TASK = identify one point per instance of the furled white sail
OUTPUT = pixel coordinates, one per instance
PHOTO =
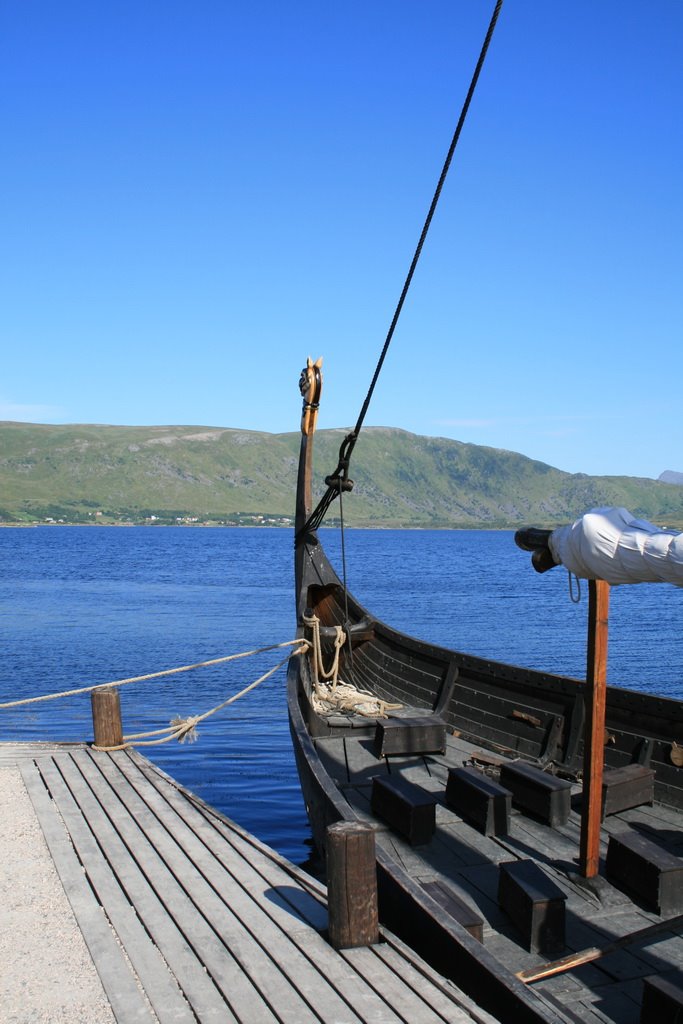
(611, 544)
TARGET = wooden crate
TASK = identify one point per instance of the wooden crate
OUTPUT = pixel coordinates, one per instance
(626, 787)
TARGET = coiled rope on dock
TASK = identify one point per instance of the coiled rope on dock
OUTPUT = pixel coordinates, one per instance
(182, 729)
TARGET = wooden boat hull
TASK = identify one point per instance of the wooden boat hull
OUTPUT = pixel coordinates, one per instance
(515, 711)
(506, 710)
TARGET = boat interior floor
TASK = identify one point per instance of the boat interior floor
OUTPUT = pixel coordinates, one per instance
(467, 861)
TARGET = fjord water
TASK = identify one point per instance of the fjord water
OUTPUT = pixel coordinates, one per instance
(85, 605)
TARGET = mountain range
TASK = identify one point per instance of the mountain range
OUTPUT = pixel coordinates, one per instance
(197, 474)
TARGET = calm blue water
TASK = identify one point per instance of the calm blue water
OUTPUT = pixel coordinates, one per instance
(83, 605)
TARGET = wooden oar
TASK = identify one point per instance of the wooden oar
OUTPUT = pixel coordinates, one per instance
(586, 956)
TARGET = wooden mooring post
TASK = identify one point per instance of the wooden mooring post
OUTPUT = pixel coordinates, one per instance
(351, 885)
(594, 735)
(106, 717)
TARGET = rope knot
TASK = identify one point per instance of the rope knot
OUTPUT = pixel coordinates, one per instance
(185, 729)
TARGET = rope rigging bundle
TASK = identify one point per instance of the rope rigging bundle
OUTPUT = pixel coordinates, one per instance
(332, 695)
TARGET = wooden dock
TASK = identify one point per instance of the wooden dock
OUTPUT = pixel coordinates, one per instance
(189, 918)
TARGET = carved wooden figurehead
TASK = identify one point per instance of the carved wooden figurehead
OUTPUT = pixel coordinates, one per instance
(310, 386)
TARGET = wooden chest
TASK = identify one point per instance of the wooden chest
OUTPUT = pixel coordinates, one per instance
(426, 735)
(479, 800)
(407, 808)
(630, 786)
(535, 903)
(646, 871)
(537, 792)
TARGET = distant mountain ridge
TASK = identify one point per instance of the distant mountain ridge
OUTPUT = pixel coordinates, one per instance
(167, 474)
(670, 476)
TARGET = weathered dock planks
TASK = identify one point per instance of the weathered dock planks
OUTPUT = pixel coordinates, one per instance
(189, 918)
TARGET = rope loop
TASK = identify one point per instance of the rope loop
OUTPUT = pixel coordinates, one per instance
(149, 675)
(574, 598)
(317, 663)
(182, 729)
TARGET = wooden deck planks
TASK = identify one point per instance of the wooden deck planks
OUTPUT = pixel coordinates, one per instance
(404, 963)
(12, 755)
(469, 863)
(126, 997)
(204, 971)
(383, 978)
(250, 926)
(160, 986)
(219, 919)
(290, 886)
(333, 757)
(190, 918)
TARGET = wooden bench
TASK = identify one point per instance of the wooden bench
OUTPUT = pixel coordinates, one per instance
(406, 807)
(535, 903)
(646, 871)
(410, 736)
(626, 787)
(456, 907)
(479, 800)
(662, 999)
(537, 793)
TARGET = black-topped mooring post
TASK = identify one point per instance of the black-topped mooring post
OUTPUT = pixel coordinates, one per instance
(352, 885)
(106, 717)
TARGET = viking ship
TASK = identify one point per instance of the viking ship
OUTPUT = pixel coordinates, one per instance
(528, 826)
(519, 836)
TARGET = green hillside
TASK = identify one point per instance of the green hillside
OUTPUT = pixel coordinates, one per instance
(167, 474)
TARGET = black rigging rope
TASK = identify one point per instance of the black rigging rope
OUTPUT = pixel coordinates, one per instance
(338, 481)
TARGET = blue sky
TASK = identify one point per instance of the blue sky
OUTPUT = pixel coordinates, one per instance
(197, 196)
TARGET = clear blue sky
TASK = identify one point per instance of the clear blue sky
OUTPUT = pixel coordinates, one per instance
(196, 196)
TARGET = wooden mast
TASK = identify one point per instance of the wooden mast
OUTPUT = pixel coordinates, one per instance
(594, 735)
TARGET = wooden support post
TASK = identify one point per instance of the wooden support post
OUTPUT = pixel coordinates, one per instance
(106, 717)
(594, 735)
(352, 885)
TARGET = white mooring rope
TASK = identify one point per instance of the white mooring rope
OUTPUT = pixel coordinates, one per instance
(182, 729)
